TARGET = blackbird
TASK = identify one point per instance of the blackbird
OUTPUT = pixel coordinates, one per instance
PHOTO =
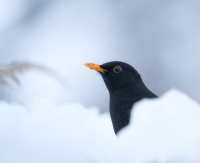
(125, 86)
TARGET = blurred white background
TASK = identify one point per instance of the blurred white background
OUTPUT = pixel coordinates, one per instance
(159, 38)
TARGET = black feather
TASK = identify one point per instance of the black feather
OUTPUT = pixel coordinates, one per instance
(126, 88)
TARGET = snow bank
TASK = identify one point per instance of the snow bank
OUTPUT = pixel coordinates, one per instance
(163, 130)
(43, 133)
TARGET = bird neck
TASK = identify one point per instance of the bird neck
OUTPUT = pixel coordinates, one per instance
(122, 101)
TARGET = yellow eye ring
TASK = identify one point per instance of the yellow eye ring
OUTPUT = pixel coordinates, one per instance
(117, 69)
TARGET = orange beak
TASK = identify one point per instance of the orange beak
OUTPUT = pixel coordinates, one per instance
(94, 66)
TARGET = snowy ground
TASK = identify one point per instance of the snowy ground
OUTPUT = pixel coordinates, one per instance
(161, 130)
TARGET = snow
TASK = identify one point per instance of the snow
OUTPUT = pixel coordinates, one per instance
(161, 130)
(165, 130)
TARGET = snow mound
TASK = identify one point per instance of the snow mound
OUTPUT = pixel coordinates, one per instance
(161, 130)
(53, 134)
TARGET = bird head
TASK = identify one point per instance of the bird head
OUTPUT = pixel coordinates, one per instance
(116, 75)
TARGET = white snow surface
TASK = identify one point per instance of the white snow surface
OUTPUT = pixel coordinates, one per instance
(161, 130)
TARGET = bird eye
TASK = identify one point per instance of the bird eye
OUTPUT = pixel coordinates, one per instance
(117, 69)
